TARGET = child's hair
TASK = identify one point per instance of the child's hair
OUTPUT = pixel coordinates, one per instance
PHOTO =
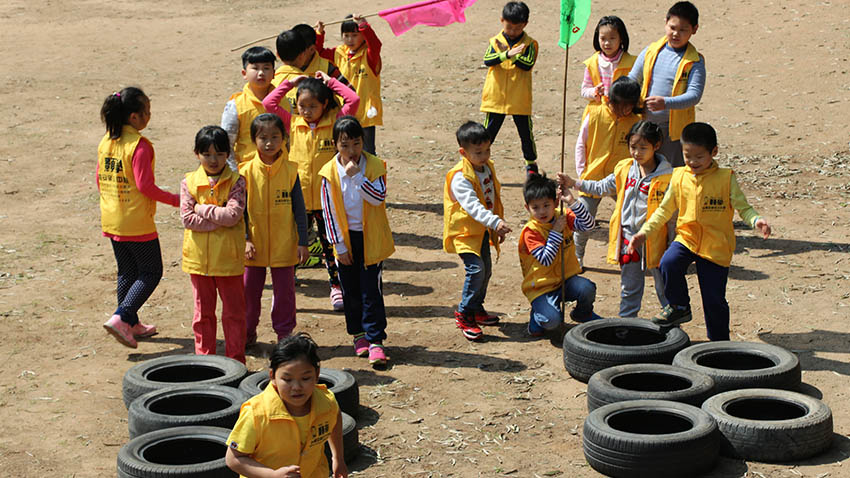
(212, 135)
(349, 26)
(118, 107)
(472, 133)
(515, 12)
(294, 347)
(647, 130)
(686, 11)
(306, 33)
(625, 91)
(700, 134)
(319, 89)
(257, 54)
(289, 45)
(538, 186)
(264, 121)
(349, 126)
(614, 22)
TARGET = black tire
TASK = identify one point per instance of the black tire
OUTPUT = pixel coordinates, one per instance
(350, 441)
(736, 365)
(648, 382)
(345, 389)
(181, 370)
(650, 438)
(769, 425)
(214, 405)
(185, 452)
(255, 383)
(597, 345)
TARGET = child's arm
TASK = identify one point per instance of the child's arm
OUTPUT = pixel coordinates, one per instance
(349, 96)
(464, 193)
(578, 217)
(545, 252)
(526, 58)
(271, 102)
(243, 464)
(143, 174)
(669, 206)
(747, 212)
(588, 89)
(373, 45)
(188, 217)
(335, 441)
(299, 212)
(229, 214)
(332, 229)
(326, 53)
(604, 187)
(691, 96)
(493, 57)
(636, 73)
(581, 146)
(230, 123)
(372, 192)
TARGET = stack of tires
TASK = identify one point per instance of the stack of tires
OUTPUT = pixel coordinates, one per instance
(661, 408)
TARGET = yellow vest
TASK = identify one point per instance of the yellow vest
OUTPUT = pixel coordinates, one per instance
(507, 88)
(220, 252)
(462, 233)
(538, 279)
(272, 224)
(311, 150)
(704, 224)
(606, 142)
(124, 211)
(592, 64)
(286, 72)
(377, 236)
(678, 118)
(248, 107)
(656, 243)
(365, 81)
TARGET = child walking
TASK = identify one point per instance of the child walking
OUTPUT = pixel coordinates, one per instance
(128, 197)
(507, 89)
(277, 226)
(242, 107)
(639, 184)
(283, 430)
(611, 60)
(472, 216)
(705, 196)
(212, 203)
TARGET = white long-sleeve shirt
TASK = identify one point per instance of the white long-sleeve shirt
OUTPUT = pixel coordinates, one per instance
(464, 193)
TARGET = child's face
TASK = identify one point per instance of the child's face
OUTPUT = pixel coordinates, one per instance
(309, 107)
(259, 75)
(349, 149)
(609, 40)
(642, 150)
(679, 31)
(542, 209)
(269, 141)
(513, 30)
(697, 157)
(477, 154)
(140, 120)
(353, 40)
(213, 161)
(295, 381)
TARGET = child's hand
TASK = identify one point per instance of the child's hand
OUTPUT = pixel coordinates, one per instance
(321, 75)
(567, 197)
(298, 79)
(502, 230)
(501, 46)
(351, 169)
(516, 50)
(195, 208)
(763, 227)
(288, 472)
(636, 243)
(559, 224)
(339, 468)
(358, 19)
(250, 250)
(320, 27)
(599, 92)
(655, 103)
(303, 254)
(345, 259)
(565, 181)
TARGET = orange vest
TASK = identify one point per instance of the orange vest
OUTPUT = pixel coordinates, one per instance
(606, 142)
(592, 64)
(462, 233)
(365, 81)
(678, 118)
(538, 279)
(704, 224)
(507, 88)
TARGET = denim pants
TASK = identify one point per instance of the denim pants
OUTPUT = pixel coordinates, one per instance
(545, 309)
(362, 294)
(478, 271)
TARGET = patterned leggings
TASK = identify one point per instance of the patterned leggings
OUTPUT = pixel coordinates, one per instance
(139, 272)
(327, 249)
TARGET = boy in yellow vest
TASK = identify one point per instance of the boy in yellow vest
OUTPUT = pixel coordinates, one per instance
(242, 107)
(705, 197)
(507, 89)
(672, 75)
(472, 216)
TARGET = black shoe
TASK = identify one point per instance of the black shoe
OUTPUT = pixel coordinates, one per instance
(531, 168)
(671, 316)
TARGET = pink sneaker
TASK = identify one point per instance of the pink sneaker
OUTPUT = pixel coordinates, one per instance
(377, 355)
(361, 345)
(336, 298)
(141, 330)
(121, 331)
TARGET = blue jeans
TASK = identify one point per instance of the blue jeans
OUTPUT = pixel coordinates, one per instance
(545, 309)
(478, 271)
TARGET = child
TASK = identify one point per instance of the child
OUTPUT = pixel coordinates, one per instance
(311, 146)
(540, 257)
(602, 143)
(672, 75)
(639, 183)
(212, 202)
(507, 89)
(244, 106)
(704, 196)
(363, 66)
(354, 190)
(283, 430)
(128, 197)
(277, 226)
(314, 61)
(611, 60)
(472, 215)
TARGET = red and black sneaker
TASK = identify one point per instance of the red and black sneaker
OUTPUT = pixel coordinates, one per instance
(467, 326)
(484, 318)
(531, 168)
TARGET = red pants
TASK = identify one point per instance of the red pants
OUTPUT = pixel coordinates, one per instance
(232, 314)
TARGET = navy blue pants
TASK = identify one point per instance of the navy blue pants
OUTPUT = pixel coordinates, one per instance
(712, 286)
(369, 139)
(139, 272)
(362, 294)
(525, 128)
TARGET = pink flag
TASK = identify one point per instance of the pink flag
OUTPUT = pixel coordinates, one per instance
(435, 13)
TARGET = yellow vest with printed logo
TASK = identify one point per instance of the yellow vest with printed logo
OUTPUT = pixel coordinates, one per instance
(377, 236)
(592, 64)
(461, 233)
(124, 211)
(704, 224)
(220, 252)
(538, 279)
(311, 149)
(507, 88)
(286, 72)
(678, 118)
(272, 225)
(248, 107)
(365, 81)
(606, 142)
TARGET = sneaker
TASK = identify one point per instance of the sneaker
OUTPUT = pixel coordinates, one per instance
(141, 330)
(121, 331)
(671, 316)
(534, 333)
(483, 318)
(312, 261)
(531, 168)
(336, 298)
(467, 326)
(377, 355)
(581, 320)
(361, 345)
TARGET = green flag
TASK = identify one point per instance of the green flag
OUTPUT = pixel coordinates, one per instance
(574, 17)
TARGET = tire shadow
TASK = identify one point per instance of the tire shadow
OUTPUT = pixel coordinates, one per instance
(807, 344)
(317, 288)
(186, 346)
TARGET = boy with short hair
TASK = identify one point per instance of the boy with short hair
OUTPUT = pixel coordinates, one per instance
(540, 256)
(242, 107)
(704, 196)
(507, 89)
(472, 215)
(672, 75)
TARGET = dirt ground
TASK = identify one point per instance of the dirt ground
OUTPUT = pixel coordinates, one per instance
(777, 84)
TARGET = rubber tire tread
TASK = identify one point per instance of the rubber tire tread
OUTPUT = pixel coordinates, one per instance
(141, 420)
(601, 391)
(132, 465)
(350, 441)
(345, 389)
(251, 383)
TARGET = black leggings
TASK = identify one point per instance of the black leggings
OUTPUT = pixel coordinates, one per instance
(525, 128)
(327, 248)
(139, 272)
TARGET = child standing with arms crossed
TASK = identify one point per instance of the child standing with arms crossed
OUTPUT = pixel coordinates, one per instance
(212, 203)
(611, 60)
(705, 197)
(472, 215)
(354, 190)
(128, 197)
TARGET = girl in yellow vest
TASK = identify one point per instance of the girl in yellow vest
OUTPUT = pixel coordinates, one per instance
(639, 183)
(602, 144)
(277, 226)
(311, 147)
(212, 203)
(283, 430)
(242, 107)
(611, 60)
(354, 191)
(128, 197)
(705, 197)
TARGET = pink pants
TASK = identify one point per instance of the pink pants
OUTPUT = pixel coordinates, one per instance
(232, 314)
(283, 299)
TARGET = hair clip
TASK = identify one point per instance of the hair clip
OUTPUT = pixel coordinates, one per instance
(115, 93)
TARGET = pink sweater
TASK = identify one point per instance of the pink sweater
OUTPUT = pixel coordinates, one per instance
(606, 72)
(209, 217)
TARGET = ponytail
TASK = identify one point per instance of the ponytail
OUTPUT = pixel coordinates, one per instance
(118, 107)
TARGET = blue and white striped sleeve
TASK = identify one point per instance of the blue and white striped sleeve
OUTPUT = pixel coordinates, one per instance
(584, 220)
(546, 254)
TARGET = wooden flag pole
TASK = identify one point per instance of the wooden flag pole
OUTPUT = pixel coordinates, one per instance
(563, 141)
(336, 22)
